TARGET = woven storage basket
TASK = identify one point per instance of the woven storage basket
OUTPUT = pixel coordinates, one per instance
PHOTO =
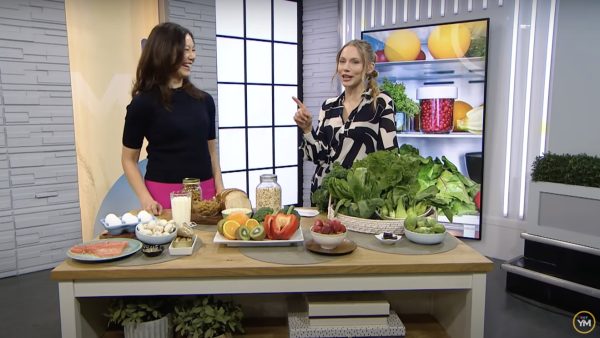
(370, 226)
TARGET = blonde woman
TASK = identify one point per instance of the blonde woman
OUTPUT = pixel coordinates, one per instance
(358, 122)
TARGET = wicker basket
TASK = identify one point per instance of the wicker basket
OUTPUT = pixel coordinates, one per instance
(370, 226)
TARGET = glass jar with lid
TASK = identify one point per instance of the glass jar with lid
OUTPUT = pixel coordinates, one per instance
(437, 108)
(268, 192)
(193, 186)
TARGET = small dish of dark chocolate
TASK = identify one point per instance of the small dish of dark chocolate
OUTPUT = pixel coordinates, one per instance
(388, 238)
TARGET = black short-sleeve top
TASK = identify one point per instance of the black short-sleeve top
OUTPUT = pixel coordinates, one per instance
(177, 138)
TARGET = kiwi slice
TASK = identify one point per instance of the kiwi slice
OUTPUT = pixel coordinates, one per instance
(258, 233)
(220, 226)
(243, 233)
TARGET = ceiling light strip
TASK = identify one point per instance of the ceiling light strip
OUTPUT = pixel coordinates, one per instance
(344, 23)
(353, 18)
(362, 15)
(443, 8)
(455, 6)
(372, 13)
(383, 12)
(524, 164)
(549, 47)
(470, 5)
(394, 8)
(511, 99)
(429, 9)
(405, 10)
(484, 4)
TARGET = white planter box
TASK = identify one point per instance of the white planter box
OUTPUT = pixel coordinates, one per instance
(564, 212)
(160, 328)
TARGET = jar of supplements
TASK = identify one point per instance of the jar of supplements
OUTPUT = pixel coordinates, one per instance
(268, 192)
(437, 108)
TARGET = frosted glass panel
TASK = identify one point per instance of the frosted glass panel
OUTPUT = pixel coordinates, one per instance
(288, 180)
(230, 60)
(254, 180)
(286, 146)
(232, 149)
(235, 180)
(286, 61)
(230, 17)
(259, 61)
(259, 145)
(231, 105)
(258, 19)
(259, 106)
(285, 107)
(285, 22)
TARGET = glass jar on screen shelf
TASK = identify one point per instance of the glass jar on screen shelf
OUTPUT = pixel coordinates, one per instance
(437, 108)
(268, 192)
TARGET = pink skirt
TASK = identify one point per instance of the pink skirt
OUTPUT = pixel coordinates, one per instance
(161, 192)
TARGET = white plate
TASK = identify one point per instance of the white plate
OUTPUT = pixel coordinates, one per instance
(306, 212)
(298, 237)
(133, 246)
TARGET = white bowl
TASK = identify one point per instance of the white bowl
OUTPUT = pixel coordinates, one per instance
(424, 238)
(230, 211)
(326, 241)
(388, 241)
(158, 240)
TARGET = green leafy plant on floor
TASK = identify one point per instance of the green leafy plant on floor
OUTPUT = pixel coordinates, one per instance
(134, 310)
(206, 317)
(402, 102)
(580, 169)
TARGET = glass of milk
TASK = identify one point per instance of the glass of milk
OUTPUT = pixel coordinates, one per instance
(181, 206)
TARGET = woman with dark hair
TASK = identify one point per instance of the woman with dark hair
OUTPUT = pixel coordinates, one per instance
(176, 118)
(358, 122)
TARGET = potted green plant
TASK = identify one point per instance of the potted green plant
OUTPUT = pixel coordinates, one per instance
(564, 193)
(207, 317)
(140, 316)
(403, 104)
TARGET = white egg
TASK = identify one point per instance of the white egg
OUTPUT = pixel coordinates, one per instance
(112, 220)
(129, 218)
(144, 216)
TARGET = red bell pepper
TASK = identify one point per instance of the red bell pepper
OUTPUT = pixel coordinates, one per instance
(281, 226)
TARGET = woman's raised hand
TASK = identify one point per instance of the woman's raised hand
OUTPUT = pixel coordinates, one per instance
(303, 117)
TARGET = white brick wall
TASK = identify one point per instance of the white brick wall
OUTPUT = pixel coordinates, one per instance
(321, 41)
(39, 204)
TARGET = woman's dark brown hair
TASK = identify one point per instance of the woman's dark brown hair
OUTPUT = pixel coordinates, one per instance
(161, 57)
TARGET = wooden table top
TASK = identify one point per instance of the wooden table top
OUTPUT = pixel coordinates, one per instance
(213, 260)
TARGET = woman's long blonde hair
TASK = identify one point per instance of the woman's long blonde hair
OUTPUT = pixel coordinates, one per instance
(367, 57)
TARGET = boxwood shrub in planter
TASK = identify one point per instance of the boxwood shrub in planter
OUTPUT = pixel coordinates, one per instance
(580, 169)
(564, 197)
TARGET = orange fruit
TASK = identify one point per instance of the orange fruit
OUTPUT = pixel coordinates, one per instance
(251, 223)
(230, 228)
(239, 217)
(449, 41)
(402, 45)
(461, 108)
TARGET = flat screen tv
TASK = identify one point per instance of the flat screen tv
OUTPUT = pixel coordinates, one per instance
(443, 71)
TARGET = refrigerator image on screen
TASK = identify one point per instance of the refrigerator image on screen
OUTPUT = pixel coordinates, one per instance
(442, 69)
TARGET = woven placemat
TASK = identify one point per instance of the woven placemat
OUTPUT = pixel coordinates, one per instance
(290, 255)
(403, 246)
(139, 258)
(205, 227)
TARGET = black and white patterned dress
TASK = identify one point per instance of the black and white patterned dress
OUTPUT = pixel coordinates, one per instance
(366, 130)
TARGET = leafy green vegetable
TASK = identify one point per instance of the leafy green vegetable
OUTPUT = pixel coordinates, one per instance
(477, 47)
(401, 183)
(402, 102)
(260, 214)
